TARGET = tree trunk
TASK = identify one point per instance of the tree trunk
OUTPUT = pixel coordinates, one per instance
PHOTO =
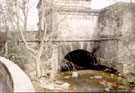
(38, 69)
(6, 49)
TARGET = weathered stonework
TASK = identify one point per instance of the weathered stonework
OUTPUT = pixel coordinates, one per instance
(76, 26)
(6, 82)
(69, 19)
(117, 21)
(72, 24)
(12, 78)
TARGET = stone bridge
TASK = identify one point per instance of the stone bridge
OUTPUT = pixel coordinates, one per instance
(76, 26)
(12, 78)
(73, 25)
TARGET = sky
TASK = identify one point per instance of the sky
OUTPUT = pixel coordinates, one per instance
(33, 15)
(99, 4)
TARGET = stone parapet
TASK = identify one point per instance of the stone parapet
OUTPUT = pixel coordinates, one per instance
(21, 82)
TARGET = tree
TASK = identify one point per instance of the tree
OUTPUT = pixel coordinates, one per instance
(22, 27)
(19, 10)
(9, 48)
(19, 23)
(24, 6)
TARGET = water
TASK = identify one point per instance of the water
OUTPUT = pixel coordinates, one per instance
(92, 80)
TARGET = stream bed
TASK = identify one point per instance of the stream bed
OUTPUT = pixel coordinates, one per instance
(92, 80)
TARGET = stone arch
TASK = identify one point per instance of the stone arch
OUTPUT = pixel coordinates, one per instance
(71, 46)
(79, 59)
(88, 48)
(68, 47)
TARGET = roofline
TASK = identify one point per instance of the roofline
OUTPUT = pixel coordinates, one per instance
(65, 0)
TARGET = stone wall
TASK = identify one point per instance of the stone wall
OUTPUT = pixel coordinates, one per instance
(6, 82)
(117, 21)
(12, 78)
(75, 26)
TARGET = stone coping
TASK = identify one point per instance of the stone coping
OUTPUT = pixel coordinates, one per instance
(21, 81)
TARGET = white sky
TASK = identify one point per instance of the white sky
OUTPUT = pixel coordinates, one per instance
(98, 4)
(33, 15)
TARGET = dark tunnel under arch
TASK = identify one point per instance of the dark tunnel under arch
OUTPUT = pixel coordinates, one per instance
(81, 60)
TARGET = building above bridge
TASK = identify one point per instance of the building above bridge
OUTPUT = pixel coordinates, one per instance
(68, 19)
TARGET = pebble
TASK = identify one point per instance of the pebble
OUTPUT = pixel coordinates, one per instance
(107, 89)
(98, 77)
(119, 78)
(123, 87)
(75, 74)
(109, 85)
(66, 85)
(111, 75)
(59, 82)
(120, 74)
(67, 77)
(103, 82)
(91, 77)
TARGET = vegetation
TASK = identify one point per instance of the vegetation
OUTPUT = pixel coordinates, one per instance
(15, 52)
(8, 39)
(18, 12)
(18, 23)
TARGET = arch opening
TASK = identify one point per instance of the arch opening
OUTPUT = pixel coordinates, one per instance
(83, 60)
